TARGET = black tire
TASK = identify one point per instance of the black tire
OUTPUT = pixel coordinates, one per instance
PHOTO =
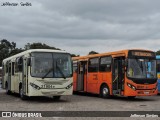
(105, 92)
(22, 96)
(56, 97)
(8, 92)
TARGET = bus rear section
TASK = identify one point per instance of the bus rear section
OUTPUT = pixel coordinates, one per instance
(158, 71)
(128, 73)
(38, 72)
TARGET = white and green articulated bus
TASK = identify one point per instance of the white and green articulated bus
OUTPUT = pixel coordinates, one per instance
(38, 72)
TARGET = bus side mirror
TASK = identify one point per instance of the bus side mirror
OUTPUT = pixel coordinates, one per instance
(28, 61)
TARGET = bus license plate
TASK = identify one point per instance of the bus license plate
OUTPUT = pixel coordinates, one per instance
(146, 93)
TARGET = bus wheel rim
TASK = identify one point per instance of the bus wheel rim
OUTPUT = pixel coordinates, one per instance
(105, 91)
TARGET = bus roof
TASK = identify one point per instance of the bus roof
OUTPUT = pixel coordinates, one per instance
(33, 50)
(107, 53)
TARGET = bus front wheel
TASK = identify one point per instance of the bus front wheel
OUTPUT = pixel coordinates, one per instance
(22, 96)
(104, 92)
(7, 90)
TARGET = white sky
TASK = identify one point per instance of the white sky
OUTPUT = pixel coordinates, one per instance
(80, 26)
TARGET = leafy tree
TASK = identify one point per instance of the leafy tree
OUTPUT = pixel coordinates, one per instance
(42, 46)
(7, 49)
(73, 55)
(92, 52)
(16, 51)
(158, 52)
(39, 46)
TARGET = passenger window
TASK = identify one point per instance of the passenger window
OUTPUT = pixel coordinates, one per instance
(105, 64)
(93, 65)
(158, 65)
(6, 67)
(75, 67)
(20, 64)
(12, 68)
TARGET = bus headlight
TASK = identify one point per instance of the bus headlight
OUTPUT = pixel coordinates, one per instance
(69, 86)
(35, 86)
(134, 88)
(131, 86)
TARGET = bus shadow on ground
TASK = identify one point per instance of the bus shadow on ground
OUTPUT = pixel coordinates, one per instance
(40, 99)
(136, 99)
(85, 94)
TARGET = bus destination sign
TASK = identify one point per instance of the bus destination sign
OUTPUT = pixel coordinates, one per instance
(147, 54)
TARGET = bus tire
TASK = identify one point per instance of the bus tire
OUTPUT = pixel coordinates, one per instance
(7, 90)
(22, 96)
(104, 91)
(56, 97)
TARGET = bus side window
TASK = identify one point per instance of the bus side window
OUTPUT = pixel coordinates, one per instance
(7, 67)
(75, 67)
(20, 64)
(3, 70)
(105, 64)
(158, 65)
(12, 68)
(93, 65)
(16, 65)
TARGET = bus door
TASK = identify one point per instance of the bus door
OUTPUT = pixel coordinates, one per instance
(12, 76)
(81, 75)
(9, 76)
(25, 76)
(118, 75)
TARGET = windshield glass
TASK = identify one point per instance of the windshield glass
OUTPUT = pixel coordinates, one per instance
(141, 68)
(51, 65)
(158, 65)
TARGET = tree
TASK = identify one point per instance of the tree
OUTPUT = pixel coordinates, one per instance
(16, 51)
(158, 52)
(7, 49)
(92, 52)
(73, 55)
(42, 46)
(39, 46)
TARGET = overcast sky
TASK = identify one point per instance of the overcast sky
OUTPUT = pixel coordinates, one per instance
(79, 26)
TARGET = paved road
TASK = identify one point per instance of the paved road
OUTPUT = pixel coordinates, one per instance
(78, 102)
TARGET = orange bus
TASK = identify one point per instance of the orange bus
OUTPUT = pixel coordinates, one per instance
(128, 73)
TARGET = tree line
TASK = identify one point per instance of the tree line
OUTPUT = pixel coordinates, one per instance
(8, 49)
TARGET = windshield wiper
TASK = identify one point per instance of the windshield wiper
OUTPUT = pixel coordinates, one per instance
(52, 70)
(47, 73)
(61, 72)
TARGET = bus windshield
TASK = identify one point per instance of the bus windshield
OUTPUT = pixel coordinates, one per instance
(141, 68)
(51, 65)
(158, 65)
